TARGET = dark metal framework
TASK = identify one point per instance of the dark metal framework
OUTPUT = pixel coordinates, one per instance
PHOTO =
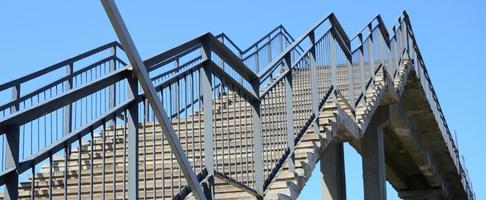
(97, 96)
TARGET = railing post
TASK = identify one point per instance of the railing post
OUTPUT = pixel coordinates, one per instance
(12, 135)
(333, 63)
(258, 142)
(314, 84)
(112, 89)
(404, 35)
(68, 84)
(371, 55)
(281, 36)
(361, 68)
(257, 60)
(381, 44)
(269, 49)
(289, 112)
(351, 84)
(207, 102)
(394, 53)
(132, 132)
(407, 39)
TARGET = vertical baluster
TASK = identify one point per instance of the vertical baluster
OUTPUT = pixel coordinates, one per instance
(66, 160)
(154, 178)
(50, 178)
(124, 178)
(91, 165)
(32, 184)
(144, 138)
(247, 160)
(114, 154)
(103, 162)
(185, 110)
(233, 117)
(240, 133)
(80, 154)
(171, 108)
(177, 110)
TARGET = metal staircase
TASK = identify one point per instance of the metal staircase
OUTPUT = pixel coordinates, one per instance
(84, 128)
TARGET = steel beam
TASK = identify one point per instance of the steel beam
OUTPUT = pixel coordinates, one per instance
(140, 71)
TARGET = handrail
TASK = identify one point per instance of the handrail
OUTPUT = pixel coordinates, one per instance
(231, 59)
(280, 28)
(56, 66)
(63, 142)
(434, 95)
(342, 40)
(369, 26)
(70, 96)
(54, 83)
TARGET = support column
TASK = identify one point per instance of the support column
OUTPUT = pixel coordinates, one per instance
(333, 172)
(207, 101)
(373, 156)
(132, 124)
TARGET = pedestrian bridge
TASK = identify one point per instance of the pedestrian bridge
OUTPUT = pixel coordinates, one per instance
(209, 120)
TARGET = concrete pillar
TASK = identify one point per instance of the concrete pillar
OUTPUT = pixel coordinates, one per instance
(332, 172)
(373, 154)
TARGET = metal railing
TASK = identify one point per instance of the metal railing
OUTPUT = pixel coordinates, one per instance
(424, 79)
(95, 122)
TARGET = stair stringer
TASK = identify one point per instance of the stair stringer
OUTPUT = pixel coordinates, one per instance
(339, 125)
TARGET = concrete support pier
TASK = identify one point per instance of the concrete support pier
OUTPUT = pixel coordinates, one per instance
(332, 172)
(373, 155)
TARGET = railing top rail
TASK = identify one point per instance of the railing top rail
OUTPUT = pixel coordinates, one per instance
(337, 30)
(56, 66)
(279, 29)
(407, 22)
(376, 22)
(216, 47)
(34, 112)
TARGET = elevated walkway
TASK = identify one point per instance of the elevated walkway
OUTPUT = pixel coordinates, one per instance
(274, 110)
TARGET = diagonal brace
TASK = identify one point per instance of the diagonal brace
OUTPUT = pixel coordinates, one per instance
(143, 77)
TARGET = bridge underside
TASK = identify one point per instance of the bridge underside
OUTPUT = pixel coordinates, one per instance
(401, 144)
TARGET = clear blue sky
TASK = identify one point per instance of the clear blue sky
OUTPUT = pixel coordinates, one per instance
(451, 36)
